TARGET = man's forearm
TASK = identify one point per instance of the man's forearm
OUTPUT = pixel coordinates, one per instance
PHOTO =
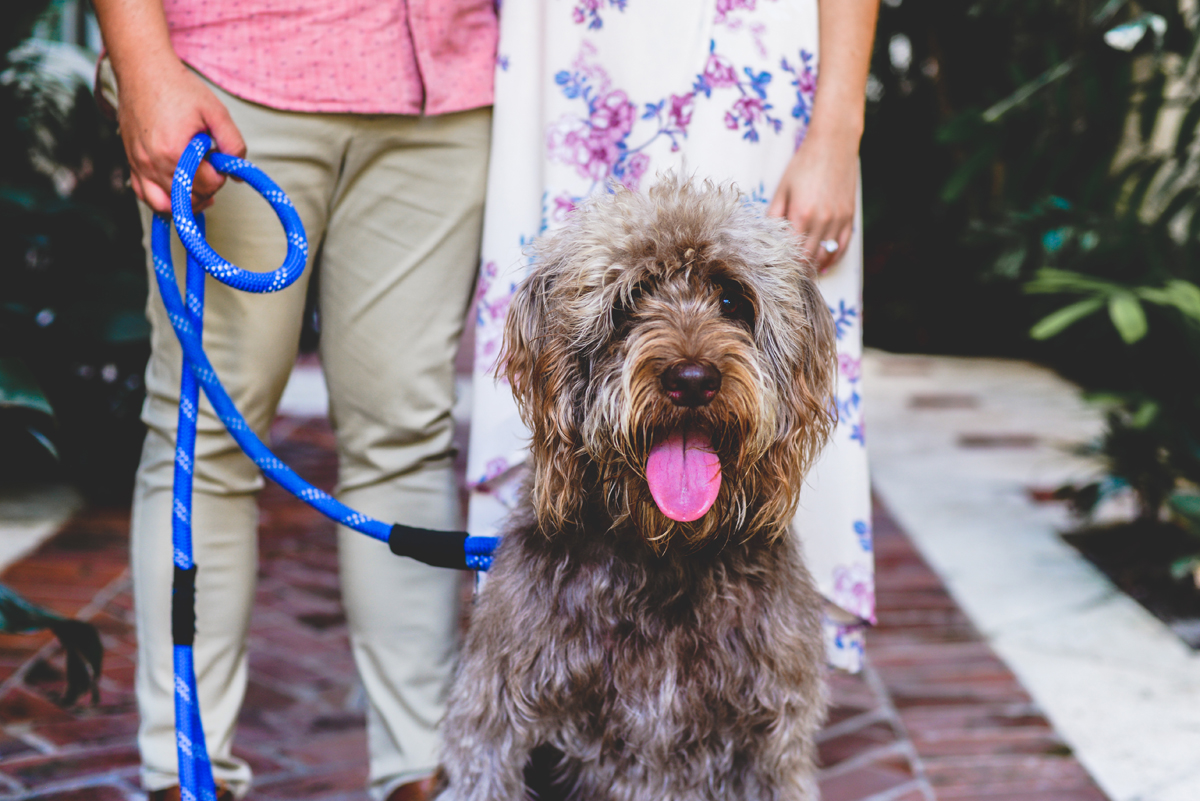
(847, 31)
(135, 35)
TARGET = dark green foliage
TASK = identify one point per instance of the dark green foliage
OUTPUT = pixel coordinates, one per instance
(1034, 171)
(17, 18)
(72, 280)
(1006, 106)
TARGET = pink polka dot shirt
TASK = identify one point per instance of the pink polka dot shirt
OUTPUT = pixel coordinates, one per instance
(359, 56)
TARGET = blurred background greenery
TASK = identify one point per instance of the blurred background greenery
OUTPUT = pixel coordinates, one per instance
(1031, 180)
(73, 337)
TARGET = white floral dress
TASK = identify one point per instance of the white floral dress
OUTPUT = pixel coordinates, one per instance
(589, 90)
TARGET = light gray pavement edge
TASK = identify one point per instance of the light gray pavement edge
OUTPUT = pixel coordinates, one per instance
(955, 447)
(28, 515)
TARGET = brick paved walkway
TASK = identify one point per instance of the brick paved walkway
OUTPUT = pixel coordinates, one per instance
(935, 716)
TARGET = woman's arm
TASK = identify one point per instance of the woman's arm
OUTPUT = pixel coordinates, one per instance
(818, 190)
(162, 104)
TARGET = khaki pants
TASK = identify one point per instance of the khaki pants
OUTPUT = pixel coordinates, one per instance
(393, 207)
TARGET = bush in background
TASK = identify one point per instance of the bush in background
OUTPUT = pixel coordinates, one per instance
(73, 336)
(1033, 189)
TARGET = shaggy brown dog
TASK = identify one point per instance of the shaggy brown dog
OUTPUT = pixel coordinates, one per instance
(648, 631)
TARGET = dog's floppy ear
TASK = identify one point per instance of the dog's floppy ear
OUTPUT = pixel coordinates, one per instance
(806, 360)
(816, 380)
(546, 383)
(525, 334)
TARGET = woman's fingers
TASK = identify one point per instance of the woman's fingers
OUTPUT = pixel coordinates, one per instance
(833, 242)
(778, 206)
(822, 256)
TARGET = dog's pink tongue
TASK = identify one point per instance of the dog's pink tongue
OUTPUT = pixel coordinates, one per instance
(684, 475)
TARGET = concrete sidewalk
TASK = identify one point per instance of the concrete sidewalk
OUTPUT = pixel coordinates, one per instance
(958, 447)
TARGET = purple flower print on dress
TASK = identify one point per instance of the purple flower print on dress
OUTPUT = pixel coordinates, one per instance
(843, 317)
(854, 590)
(564, 204)
(597, 144)
(750, 109)
(612, 117)
(727, 7)
(589, 11)
(849, 367)
(487, 276)
(719, 73)
(678, 116)
(749, 112)
(804, 78)
(682, 106)
(493, 470)
(858, 433)
(635, 168)
(491, 307)
(574, 141)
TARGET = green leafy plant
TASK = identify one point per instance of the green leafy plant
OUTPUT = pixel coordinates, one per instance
(72, 279)
(1186, 509)
(1032, 188)
(1122, 246)
(1124, 303)
(994, 111)
(1151, 444)
(20, 395)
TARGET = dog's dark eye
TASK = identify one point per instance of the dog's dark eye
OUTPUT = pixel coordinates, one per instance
(734, 305)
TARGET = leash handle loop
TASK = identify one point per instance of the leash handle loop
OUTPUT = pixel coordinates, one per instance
(192, 234)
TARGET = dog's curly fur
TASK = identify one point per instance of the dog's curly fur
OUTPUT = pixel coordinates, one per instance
(654, 659)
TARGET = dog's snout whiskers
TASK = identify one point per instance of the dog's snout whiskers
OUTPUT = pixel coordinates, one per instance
(691, 384)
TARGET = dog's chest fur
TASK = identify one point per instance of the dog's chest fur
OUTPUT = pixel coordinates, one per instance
(611, 644)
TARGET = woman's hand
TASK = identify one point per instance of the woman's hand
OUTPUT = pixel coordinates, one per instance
(819, 189)
(818, 193)
(159, 112)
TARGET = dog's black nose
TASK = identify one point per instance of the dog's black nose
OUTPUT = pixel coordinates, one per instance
(691, 384)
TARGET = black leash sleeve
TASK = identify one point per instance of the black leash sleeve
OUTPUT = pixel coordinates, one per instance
(436, 548)
(183, 606)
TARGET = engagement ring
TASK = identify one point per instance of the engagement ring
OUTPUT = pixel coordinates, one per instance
(830, 245)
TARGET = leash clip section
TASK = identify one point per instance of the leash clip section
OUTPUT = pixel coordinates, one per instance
(183, 606)
(456, 550)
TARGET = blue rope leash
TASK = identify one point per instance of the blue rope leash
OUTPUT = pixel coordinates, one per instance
(438, 548)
